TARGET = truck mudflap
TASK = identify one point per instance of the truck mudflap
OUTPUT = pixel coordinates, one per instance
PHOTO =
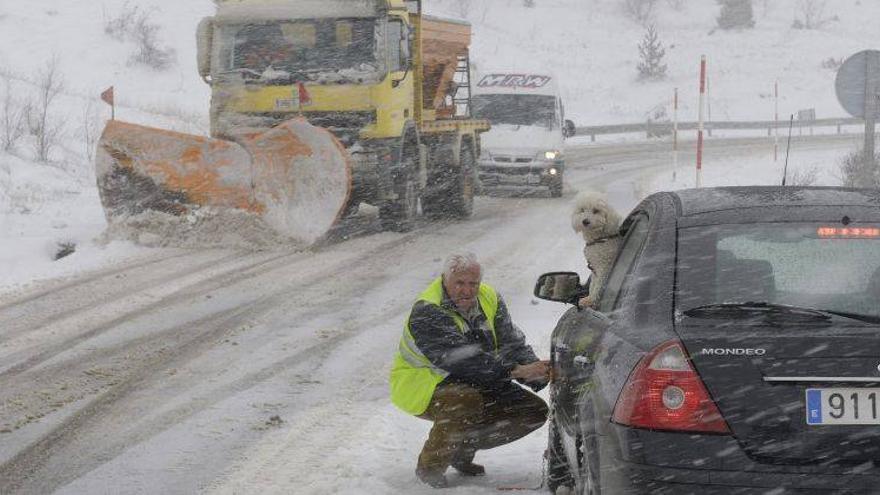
(294, 177)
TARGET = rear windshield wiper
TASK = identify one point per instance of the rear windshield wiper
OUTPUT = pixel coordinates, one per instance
(855, 316)
(729, 310)
(244, 72)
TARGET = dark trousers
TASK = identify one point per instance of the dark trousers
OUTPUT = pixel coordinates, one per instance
(467, 419)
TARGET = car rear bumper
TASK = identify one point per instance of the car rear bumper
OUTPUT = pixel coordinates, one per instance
(533, 174)
(632, 478)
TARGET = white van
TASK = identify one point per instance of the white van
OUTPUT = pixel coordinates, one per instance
(525, 146)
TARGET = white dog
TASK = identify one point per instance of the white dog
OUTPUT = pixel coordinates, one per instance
(599, 224)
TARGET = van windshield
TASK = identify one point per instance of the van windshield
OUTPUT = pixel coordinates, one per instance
(516, 109)
(831, 268)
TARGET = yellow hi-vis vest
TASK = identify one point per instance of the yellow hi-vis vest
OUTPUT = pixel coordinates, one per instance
(413, 377)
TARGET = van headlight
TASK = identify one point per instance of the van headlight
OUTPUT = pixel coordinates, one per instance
(551, 155)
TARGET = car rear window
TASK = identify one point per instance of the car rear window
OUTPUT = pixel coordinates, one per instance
(823, 266)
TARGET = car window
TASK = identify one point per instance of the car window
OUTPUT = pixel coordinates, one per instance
(632, 244)
(796, 264)
(395, 30)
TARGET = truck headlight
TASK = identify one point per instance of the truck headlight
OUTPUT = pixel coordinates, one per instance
(553, 171)
(551, 155)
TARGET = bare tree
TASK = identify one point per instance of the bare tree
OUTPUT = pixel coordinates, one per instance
(812, 14)
(736, 14)
(46, 131)
(804, 177)
(145, 34)
(135, 24)
(88, 131)
(641, 11)
(119, 26)
(858, 171)
(12, 118)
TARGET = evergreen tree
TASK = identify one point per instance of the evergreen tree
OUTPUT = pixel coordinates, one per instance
(651, 52)
(736, 14)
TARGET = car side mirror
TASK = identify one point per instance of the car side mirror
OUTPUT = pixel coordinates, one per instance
(568, 128)
(564, 287)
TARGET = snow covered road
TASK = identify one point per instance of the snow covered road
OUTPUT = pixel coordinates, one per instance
(220, 371)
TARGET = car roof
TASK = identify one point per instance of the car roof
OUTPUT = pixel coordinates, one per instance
(692, 202)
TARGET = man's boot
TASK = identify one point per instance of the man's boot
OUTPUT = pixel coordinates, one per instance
(434, 479)
(463, 462)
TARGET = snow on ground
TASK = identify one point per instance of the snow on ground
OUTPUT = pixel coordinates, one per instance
(36, 222)
(810, 162)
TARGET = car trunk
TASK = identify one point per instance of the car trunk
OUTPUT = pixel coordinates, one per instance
(758, 372)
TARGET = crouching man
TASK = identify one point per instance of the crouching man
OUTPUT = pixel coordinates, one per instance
(455, 366)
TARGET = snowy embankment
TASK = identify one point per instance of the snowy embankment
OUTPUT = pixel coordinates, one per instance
(47, 204)
(592, 47)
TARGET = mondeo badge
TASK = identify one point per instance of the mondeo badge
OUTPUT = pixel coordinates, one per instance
(737, 351)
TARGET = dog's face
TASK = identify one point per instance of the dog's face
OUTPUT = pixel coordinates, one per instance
(591, 216)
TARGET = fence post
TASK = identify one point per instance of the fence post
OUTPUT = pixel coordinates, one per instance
(675, 135)
(776, 120)
(699, 181)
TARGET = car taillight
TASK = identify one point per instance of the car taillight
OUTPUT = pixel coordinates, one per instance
(664, 392)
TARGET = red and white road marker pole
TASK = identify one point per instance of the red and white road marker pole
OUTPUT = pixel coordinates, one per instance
(700, 121)
(709, 103)
(675, 135)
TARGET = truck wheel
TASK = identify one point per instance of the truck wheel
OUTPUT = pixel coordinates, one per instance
(462, 190)
(399, 215)
(556, 187)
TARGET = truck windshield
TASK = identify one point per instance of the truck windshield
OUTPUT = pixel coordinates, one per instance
(827, 267)
(300, 46)
(516, 109)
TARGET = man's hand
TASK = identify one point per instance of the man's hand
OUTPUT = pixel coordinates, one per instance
(539, 371)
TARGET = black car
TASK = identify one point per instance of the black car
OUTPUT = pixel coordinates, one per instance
(735, 349)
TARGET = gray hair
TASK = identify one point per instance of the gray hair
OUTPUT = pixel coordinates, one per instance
(459, 261)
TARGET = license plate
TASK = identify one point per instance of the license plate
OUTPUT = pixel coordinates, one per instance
(287, 104)
(842, 406)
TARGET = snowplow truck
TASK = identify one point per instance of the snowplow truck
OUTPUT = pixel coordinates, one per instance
(317, 106)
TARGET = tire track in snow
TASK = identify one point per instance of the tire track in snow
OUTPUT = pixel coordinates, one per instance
(103, 290)
(85, 279)
(101, 317)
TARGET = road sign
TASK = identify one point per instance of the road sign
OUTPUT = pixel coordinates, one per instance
(807, 115)
(859, 75)
(857, 85)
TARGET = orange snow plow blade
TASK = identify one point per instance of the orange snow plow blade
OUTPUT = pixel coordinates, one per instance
(295, 177)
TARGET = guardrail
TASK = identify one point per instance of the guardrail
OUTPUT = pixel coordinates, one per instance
(654, 129)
